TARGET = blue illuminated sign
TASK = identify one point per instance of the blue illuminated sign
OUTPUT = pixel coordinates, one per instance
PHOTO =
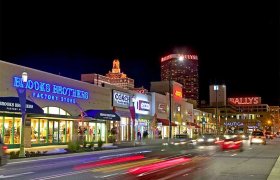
(51, 92)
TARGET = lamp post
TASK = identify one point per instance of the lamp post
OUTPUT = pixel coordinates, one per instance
(22, 99)
(133, 99)
(216, 88)
(181, 58)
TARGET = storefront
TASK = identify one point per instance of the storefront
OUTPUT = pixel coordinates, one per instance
(95, 127)
(121, 101)
(144, 116)
(53, 107)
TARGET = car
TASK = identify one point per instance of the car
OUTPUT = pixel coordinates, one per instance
(207, 139)
(3, 152)
(244, 136)
(258, 137)
(269, 135)
(232, 143)
(278, 134)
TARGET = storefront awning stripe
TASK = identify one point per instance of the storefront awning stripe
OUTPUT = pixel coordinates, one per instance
(165, 122)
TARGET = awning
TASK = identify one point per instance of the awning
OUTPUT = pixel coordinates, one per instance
(193, 124)
(165, 122)
(102, 114)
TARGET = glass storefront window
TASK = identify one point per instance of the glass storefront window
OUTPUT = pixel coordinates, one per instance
(101, 131)
(62, 132)
(43, 130)
(2, 127)
(34, 131)
(124, 129)
(91, 137)
(17, 126)
(69, 131)
(8, 130)
(50, 135)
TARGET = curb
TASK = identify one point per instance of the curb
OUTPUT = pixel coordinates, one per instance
(275, 172)
(60, 156)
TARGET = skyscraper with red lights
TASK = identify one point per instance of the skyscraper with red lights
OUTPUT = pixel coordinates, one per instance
(182, 68)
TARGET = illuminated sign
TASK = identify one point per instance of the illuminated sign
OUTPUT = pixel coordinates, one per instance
(245, 100)
(121, 99)
(173, 56)
(144, 105)
(178, 93)
(51, 92)
(162, 108)
(12, 104)
(234, 124)
(216, 88)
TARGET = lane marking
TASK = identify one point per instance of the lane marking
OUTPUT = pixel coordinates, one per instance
(61, 175)
(14, 175)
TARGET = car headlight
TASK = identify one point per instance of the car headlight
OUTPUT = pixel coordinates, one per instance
(210, 140)
(243, 136)
(200, 140)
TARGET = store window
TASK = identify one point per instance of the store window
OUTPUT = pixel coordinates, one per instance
(69, 125)
(17, 125)
(2, 127)
(8, 130)
(43, 130)
(62, 132)
(34, 131)
(55, 110)
(101, 131)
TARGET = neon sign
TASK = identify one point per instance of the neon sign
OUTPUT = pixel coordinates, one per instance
(234, 124)
(178, 93)
(245, 100)
(185, 56)
(121, 99)
(51, 92)
(144, 105)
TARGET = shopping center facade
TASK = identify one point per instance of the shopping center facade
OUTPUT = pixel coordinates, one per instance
(60, 109)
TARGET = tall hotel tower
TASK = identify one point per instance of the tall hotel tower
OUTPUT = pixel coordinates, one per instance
(182, 68)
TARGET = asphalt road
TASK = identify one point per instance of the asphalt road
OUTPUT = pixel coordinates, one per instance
(176, 162)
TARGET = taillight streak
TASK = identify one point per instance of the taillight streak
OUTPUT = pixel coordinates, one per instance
(109, 162)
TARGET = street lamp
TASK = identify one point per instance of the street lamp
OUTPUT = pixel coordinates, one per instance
(216, 88)
(22, 99)
(181, 58)
(133, 99)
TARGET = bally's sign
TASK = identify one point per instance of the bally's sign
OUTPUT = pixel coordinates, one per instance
(245, 100)
(121, 99)
(144, 105)
(51, 92)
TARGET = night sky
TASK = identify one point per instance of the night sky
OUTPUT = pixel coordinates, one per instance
(237, 44)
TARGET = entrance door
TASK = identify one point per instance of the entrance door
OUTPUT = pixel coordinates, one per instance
(53, 132)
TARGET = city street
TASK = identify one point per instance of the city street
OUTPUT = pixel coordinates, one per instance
(180, 162)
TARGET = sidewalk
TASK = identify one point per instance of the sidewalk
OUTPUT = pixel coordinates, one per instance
(275, 172)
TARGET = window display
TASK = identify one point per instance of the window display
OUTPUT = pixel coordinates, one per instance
(43, 130)
(34, 131)
(17, 126)
(8, 130)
